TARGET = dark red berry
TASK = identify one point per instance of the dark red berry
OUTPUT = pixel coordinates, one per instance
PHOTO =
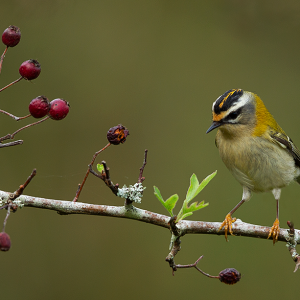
(11, 36)
(117, 134)
(59, 109)
(230, 276)
(30, 69)
(4, 241)
(39, 107)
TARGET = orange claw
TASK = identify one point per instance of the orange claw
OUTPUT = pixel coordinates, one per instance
(227, 224)
(274, 231)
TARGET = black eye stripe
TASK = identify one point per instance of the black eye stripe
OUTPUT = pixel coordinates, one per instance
(233, 115)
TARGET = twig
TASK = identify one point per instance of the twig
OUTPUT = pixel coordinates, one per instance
(194, 265)
(173, 226)
(13, 143)
(6, 217)
(14, 117)
(21, 188)
(141, 178)
(2, 58)
(106, 177)
(291, 245)
(11, 84)
(80, 186)
(11, 136)
(228, 276)
(171, 256)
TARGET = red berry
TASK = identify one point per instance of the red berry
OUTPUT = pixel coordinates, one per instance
(39, 107)
(59, 109)
(4, 241)
(30, 69)
(11, 36)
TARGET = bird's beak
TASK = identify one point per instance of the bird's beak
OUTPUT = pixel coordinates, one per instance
(215, 124)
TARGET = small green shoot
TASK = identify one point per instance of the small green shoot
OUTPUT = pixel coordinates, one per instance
(100, 168)
(194, 189)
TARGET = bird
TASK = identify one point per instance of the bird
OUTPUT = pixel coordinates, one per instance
(254, 148)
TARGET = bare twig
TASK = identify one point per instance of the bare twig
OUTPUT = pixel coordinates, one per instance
(228, 276)
(14, 143)
(11, 136)
(171, 256)
(291, 245)
(194, 265)
(6, 217)
(141, 178)
(80, 186)
(11, 84)
(13, 116)
(2, 58)
(173, 226)
(21, 188)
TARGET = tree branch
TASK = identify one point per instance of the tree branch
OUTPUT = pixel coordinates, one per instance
(129, 211)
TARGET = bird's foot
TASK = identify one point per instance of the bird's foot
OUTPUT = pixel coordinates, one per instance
(274, 231)
(227, 224)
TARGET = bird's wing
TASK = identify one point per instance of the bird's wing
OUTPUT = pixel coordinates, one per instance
(285, 142)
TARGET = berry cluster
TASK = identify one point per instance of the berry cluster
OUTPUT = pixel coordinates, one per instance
(39, 107)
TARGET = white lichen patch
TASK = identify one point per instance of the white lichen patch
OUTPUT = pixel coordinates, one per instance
(19, 203)
(133, 193)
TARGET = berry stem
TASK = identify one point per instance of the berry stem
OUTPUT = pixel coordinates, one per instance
(11, 84)
(194, 265)
(206, 274)
(21, 118)
(5, 220)
(2, 58)
(80, 186)
(12, 116)
(11, 136)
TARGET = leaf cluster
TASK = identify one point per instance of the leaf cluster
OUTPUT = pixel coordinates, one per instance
(194, 189)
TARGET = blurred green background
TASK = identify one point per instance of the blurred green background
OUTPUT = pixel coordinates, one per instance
(156, 67)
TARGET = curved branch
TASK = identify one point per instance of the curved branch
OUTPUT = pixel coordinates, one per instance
(129, 211)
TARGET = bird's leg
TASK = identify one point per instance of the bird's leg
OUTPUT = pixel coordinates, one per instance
(227, 223)
(275, 229)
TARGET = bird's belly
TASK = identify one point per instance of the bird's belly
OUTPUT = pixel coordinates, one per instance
(261, 167)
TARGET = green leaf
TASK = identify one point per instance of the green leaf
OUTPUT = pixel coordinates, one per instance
(100, 168)
(193, 207)
(186, 215)
(195, 188)
(169, 204)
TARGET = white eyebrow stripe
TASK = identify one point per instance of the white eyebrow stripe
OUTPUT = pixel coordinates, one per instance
(243, 100)
(215, 103)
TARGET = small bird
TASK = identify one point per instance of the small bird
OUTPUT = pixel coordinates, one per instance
(254, 148)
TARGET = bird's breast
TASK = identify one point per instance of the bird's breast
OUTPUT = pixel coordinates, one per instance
(257, 163)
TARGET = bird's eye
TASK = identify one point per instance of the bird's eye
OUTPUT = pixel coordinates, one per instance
(233, 115)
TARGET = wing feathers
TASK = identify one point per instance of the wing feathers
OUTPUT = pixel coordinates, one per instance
(285, 142)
